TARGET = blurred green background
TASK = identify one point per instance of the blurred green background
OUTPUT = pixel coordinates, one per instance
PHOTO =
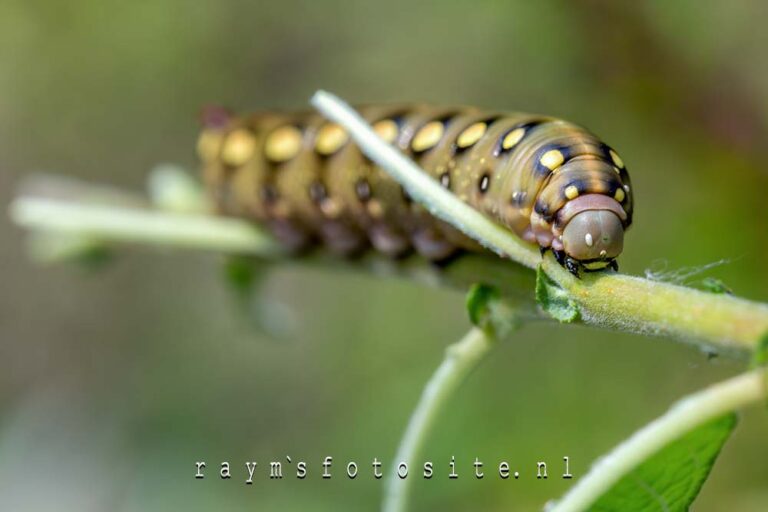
(113, 383)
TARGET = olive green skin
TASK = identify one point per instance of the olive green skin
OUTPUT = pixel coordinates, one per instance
(341, 199)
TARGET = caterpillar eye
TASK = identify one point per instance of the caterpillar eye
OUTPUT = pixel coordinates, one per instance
(593, 234)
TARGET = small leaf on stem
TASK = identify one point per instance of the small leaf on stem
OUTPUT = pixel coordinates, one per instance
(554, 299)
(489, 312)
(714, 285)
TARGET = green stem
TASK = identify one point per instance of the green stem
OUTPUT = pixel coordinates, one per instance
(633, 304)
(683, 417)
(460, 359)
(606, 300)
(109, 224)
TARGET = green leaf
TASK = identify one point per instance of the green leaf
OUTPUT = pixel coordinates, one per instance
(714, 285)
(46, 247)
(489, 312)
(553, 299)
(760, 356)
(478, 299)
(266, 314)
(670, 480)
(241, 272)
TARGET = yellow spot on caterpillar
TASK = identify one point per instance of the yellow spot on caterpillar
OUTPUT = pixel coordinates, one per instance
(616, 159)
(331, 208)
(386, 129)
(209, 145)
(281, 209)
(512, 138)
(428, 136)
(588, 240)
(283, 144)
(619, 195)
(375, 208)
(330, 138)
(238, 148)
(471, 135)
(571, 192)
(552, 159)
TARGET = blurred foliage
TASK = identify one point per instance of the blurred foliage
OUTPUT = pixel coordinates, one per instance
(132, 374)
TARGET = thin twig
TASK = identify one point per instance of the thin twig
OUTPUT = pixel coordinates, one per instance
(120, 224)
(683, 417)
(460, 359)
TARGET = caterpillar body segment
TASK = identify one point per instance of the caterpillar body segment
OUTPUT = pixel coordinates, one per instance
(551, 182)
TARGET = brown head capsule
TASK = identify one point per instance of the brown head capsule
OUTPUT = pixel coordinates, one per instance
(594, 238)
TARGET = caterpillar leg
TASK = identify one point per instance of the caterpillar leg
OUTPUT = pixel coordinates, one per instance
(559, 256)
(572, 266)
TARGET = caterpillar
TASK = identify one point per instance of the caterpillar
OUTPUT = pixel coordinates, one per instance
(549, 181)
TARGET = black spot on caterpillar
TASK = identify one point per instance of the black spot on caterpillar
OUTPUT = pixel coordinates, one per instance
(551, 182)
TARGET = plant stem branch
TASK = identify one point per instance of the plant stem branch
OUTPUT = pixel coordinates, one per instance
(634, 304)
(460, 359)
(110, 224)
(684, 416)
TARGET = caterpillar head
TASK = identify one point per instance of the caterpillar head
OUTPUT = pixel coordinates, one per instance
(591, 229)
(594, 238)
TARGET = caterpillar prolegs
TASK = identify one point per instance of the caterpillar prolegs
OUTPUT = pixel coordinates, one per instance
(549, 181)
